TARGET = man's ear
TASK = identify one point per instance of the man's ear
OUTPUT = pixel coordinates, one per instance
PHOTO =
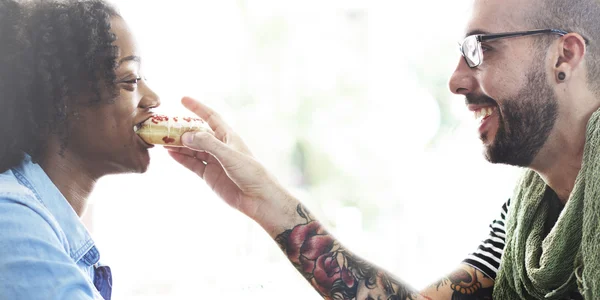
(571, 50)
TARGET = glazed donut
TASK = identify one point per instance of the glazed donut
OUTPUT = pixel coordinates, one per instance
(163, 130)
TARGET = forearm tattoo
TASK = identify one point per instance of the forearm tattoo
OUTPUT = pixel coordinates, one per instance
(332, 270)
(466, 285)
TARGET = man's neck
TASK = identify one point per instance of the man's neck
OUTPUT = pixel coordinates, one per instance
(560, 176)
(559, 161)
(71, 178)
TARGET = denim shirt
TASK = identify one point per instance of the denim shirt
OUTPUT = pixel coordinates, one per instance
(45, 250)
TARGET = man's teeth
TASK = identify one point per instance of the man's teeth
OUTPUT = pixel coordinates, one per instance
(135, 128)
(484, 112)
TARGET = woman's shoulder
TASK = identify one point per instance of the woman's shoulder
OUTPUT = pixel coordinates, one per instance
(12, 190)
(31, 206)
(19, 203)
(23, 217)
(35, 253)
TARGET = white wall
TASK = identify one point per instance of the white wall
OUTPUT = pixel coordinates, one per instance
(421, 208)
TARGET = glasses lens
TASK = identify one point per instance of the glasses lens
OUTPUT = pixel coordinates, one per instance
(470, 50)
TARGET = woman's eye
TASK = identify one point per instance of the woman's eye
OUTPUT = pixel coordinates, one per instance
(133, 81)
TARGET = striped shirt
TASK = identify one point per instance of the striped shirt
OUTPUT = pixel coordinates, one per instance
(488, 255)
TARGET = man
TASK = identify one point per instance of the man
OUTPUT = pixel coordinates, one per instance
(529, 71)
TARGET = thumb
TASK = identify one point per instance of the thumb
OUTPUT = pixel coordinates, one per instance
(206, 142)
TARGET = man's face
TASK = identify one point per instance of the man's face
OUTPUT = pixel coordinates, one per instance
(511, 83)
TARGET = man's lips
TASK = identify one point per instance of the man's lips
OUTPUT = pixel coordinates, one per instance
(476, 107)
(487, 118)
(485, 111)
(482, 111)
(486, 115)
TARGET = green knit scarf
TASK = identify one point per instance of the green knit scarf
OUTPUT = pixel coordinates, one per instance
(568, 258)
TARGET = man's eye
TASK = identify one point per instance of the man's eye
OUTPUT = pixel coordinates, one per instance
(485, 48)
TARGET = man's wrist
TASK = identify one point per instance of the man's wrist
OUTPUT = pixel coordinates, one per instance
(277, 211)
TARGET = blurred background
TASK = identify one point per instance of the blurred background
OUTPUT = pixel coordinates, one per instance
(346, 102)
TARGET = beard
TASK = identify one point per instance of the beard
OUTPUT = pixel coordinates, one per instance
(524, 121)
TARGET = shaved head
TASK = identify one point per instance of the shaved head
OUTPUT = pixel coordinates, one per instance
(580, 16)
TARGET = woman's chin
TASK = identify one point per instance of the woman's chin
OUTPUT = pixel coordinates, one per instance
(143, 162)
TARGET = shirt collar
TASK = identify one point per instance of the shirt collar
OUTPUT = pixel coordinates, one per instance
(33, 177)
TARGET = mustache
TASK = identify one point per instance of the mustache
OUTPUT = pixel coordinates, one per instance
(479, 100)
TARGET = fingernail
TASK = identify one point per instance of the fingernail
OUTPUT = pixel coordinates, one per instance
(187, 138)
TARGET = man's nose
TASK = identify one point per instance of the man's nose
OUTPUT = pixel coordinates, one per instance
(462, 81)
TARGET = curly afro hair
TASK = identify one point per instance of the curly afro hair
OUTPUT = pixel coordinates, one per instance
(54, 57)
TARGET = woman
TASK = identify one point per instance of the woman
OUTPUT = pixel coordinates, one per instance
(72, 89)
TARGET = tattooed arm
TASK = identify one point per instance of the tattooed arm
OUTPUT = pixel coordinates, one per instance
(466, 283)
(337, 273)
(331, 269)
(228, 167)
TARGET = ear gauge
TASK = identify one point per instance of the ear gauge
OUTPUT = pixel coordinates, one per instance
(562, 76)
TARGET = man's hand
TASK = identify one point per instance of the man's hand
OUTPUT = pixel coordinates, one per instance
(226, 164)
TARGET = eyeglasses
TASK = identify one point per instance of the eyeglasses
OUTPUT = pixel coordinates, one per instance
(471, 49)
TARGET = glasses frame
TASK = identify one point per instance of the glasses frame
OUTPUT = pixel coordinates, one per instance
(496, 36)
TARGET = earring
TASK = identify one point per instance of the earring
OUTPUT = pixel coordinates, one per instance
(562, 76)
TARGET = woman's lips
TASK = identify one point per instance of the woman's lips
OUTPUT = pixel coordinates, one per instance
(146, 145)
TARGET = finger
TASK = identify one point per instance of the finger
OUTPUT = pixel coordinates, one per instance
(214, 120)
(227, 157)
(193, 164)
(201, 155)
(183, 150)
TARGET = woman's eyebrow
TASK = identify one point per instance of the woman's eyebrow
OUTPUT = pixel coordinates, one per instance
(130, 58)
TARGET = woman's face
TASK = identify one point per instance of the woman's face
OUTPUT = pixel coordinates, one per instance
(103, 139)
